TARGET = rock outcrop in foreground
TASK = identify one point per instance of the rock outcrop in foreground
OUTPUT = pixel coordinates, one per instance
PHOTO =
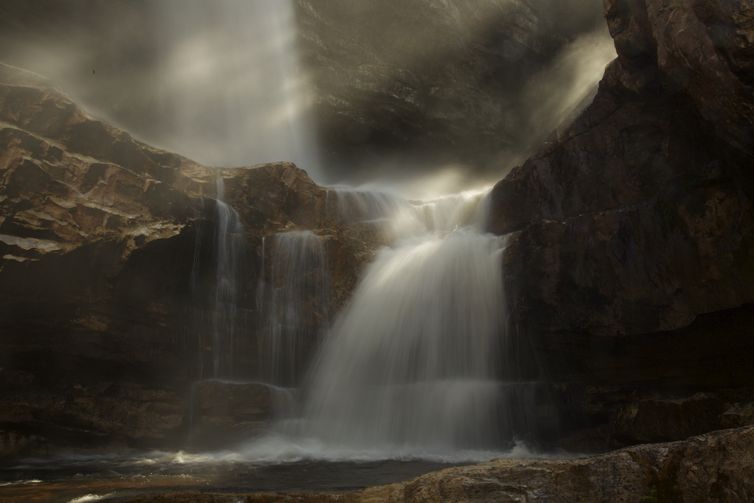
(637, 222)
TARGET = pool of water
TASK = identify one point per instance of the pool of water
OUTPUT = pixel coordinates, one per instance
(81, 479)
(267, 464)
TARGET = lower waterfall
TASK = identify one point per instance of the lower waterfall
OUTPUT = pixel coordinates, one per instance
(412, 365)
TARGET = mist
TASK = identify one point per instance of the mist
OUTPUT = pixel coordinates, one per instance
(364, 101)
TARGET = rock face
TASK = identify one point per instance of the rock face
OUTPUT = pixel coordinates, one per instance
(638, 219)
(108, 272)
(420, 82)
(82, 203)
(433, 81)
(642, 211)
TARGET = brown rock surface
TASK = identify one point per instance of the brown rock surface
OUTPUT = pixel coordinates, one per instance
(717, 467)
(100, 237)
(82, 203)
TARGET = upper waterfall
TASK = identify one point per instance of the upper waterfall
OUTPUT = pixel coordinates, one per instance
(411, 362)
(413, 365)
(232, 70)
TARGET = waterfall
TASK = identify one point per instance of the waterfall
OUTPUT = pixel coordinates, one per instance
(412, 360)
(412, 363)
(400, 218)
(229, 245)
(353, 205)
(415, 364)
(294, 300)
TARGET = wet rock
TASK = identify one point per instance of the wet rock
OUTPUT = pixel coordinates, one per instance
(713, 467)
(650, 419)
(38, 420)
(632, 225)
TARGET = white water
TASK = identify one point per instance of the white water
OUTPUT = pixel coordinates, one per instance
(412, 359)
(294, 300)
(229, 241)
(400, 218)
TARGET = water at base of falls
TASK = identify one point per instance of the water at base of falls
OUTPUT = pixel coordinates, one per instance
(412, 366)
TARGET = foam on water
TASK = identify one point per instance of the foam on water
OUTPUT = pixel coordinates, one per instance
(282, 448)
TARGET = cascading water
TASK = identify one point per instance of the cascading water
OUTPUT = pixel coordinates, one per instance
(413, 365)
(295, 303)
(225, 316)
(354, 205)
(215, 288)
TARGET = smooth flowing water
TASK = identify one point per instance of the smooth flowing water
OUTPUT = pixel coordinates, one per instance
(229, 240)
(230, 68)
(216, 320)
(294, 300)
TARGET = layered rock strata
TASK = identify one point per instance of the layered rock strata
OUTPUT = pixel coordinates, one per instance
(107, 267)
